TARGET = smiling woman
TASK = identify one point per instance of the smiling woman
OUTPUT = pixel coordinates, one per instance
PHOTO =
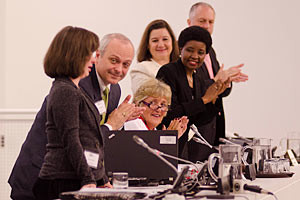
(155, 96)
(191, 95)
(158, 46)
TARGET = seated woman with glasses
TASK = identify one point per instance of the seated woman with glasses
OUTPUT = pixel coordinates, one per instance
(155, 96)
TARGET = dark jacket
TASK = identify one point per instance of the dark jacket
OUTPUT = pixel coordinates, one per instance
(31, 157)
(72, 127)
(220, 118)
(184, 102)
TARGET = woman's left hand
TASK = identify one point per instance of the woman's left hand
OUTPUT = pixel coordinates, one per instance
(179, 124)
(223, 86)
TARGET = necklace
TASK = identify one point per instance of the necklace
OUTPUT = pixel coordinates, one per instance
(190, 81)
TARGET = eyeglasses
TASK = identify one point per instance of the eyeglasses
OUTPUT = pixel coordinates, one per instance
(153, 106)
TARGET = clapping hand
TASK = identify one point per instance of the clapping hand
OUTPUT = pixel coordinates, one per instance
(179, 124)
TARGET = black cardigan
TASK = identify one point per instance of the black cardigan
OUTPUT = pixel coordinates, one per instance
(184, 103)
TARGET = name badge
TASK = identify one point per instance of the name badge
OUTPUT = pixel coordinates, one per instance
(167, 140)
(91, 158)
(101, 106)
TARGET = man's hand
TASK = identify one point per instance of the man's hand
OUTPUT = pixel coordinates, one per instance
(121, 114)
(137, 112)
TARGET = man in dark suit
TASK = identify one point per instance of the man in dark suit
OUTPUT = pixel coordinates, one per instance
(203, 15)
(113, 60)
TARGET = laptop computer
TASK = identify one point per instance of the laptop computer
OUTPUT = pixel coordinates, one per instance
(123, 154)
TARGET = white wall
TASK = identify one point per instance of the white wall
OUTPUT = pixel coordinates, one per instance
(262, 34)
(2, 51)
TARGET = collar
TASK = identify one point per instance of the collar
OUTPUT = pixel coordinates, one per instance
(140, 117)
(156, 63)
(101, 83)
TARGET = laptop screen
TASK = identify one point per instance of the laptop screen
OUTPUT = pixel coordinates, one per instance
(123, 154)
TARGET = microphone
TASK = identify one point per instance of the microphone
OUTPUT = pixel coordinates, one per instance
(243, 138)
(141, 142)
(180, 176)
(195, 130)
(227, 141)
(198, 140)
(257, 189)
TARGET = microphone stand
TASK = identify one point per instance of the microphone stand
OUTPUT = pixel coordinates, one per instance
(227, 141)
(195, 130)
(201, 140)
(243, 138)
(176, 158)
(159, 154)
(141, 142)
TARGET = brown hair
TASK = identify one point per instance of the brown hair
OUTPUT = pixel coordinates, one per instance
(69, 51)
(143, 51)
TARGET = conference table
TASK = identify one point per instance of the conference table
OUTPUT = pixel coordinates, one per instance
(283, 188)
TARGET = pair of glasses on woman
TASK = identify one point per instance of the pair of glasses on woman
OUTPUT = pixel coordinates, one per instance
(153, 106)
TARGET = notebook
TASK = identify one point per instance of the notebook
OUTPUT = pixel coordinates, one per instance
(123, 154)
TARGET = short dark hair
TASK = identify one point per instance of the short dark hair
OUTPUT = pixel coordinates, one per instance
(69, 51)
(195, 33)
(143, 51)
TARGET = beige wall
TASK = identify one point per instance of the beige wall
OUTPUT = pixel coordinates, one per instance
(262, 34)
(2, 52)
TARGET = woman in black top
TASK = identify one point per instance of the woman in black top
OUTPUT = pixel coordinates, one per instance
(191, 95)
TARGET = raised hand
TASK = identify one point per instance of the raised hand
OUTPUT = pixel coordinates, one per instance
(233, 74)
(212, 92)
(179, 124)
(137, 112)
(241, 77)
(121, 114)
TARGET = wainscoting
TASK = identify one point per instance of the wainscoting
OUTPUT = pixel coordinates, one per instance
(14, 126)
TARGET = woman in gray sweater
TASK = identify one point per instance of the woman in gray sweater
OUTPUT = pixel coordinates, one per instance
(74, 157)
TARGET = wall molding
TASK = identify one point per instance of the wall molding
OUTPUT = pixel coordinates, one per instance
(18, 114)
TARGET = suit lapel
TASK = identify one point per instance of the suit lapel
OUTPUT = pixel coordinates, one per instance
(204, 70)
(94, 110)
(213, 59)
(111, 99)
(91, 86)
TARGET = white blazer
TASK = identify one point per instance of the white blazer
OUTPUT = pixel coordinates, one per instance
(141, 72)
